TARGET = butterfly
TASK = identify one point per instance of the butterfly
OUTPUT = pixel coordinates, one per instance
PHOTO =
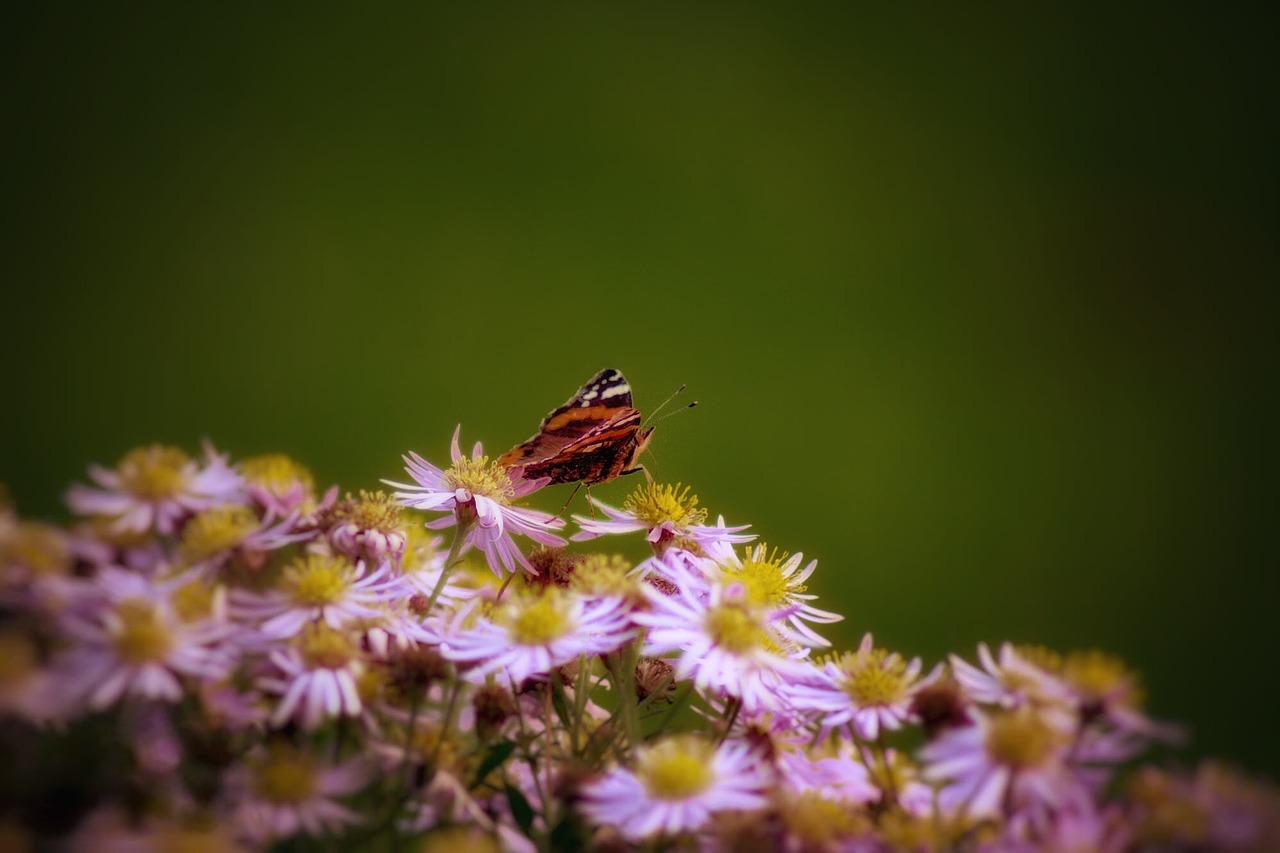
(593, 438)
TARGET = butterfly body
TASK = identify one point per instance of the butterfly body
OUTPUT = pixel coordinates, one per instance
(594, 437)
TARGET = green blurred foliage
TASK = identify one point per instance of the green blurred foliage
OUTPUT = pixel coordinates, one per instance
(979, 302)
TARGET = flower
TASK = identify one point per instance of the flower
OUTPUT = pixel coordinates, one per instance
(156, 487)
(284, 791)
(726, 644)
(677, 784)
(669, 514)
(136, 641)
(316, 677)
(478, 494)
(371, 526)
(531, 634)
(1006, 760)
(776, 581)
(282, 486)
(1011, 680)
(871, 689)
(319, 587)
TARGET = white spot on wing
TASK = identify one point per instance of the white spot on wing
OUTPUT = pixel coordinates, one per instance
(615, 391)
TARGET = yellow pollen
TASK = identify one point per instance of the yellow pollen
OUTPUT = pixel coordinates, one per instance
(19, 657)
(285, 777)
(481, 477)
(1099, 675)
(39, 548)
(324, 648)
(216, 530)
(1021, 739)
(316, 580)
(734, 628)
(276, 473)
(654, 504)
(372, 511)
(676, 768)
(603, 574)
(194, 601)
(762, 576)
(1041, 656)
(874, 677)
(538, 621)
(459, 839)
(142, 636)
(819, 821)
(156, 471)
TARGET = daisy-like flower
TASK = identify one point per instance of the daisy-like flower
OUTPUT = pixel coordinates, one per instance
(319, 587)
(478, 496)
(1008, 758)
(776, 581)
(839, 777)
(670, 515)
(213, 536)
(282, 486)
(676, 785)
(1010, 680)
(1104, 686)
(155, 488)
(727, 645)
(283, 791)
(372, 526)
(139, 644)
(316, 677)
(531, 634)
(871, 689)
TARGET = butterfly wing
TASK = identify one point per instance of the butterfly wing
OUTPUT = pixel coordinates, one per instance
(605, 396)
(599, 455)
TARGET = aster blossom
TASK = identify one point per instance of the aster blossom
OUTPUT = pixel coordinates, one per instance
(670, 517)
(156, 487)
(478, 496)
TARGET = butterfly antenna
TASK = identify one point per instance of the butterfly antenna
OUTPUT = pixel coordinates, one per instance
(676, 412)
(663, 404)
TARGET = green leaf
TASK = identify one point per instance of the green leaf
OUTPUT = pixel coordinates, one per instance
(497, 754)
(520, 809)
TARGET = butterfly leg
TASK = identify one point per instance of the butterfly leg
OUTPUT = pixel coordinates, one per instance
(641, 468)
(571, 497)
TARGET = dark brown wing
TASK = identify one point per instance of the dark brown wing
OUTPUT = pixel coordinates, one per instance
(596, 457)
(604, 397)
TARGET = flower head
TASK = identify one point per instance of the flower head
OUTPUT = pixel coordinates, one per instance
(676, 785)
(670, 515)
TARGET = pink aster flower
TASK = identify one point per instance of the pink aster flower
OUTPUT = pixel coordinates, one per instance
(871, 689)
(839, 776)
(669, 515)
(530, 635)
(675, 786)
(155, 488)
(478, 496)
(1009, 680)
(319, 587)
(281, 792)
(1008, 759)
(316, 677)
(726, 644)
(776, 581)
(136, 642)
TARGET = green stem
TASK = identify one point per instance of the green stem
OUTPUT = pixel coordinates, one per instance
(450, 561)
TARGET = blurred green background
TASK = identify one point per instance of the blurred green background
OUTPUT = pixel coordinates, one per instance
(978, 302)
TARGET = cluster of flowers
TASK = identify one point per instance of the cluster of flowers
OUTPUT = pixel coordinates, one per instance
(227, 658)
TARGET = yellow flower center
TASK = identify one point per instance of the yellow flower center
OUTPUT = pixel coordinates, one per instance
(874, 677)
(215, 531)
(1021, 739)
(371, 511)
(819, 821)
(653, 504)
(276, 473)
(458, 839)
(762, 577)
(39, 548)
(194, 600)
(285, 777)
(156, 471)
(1099, 675)
(538, 621)
(142, 636)
(734, 628)
(19, 657)
(676, 768)
(603, 574)
(481, 477)
(316, 580)
(1040, 656)
(324, 648)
